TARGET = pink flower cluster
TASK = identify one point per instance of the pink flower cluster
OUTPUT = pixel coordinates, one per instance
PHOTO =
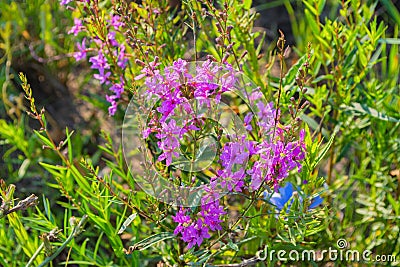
(192, 230)
(175, 88)
(243, 164)
(109, 55)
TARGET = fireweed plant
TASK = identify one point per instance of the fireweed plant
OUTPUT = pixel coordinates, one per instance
(208, 170)
(110, 40)
(193, 149)
(199, 138)
(109, 56)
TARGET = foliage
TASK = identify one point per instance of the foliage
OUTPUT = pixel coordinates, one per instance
(341, 86)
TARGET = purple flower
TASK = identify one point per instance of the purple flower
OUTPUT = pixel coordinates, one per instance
(169, 104)
(204, 90)
(266, 116)
(118, 88)
(171, 77)
(65, 2)
(233, 153)
(98, 41)
(181, 216)
(179, 66)
(255, 95)
(111, 39)
(212, 213)
(169, 142)
(276, 160)
(247, 121)
(211, 194)
(233, 181)
(270, 159)
(149, 70)
(152, 126)
(77, 28)
(182, 219)
(113, 108)
(228, 80)
(205, 72)
(189, 234)
(116, 22)
(99, 62)
(195, 233)
(257, 176)
(81, 54)
(102, 77)
(122, 59)
(190, 125)
(252, 147)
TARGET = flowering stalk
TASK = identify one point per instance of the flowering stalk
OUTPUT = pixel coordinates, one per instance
(242, 164)
(110, 57)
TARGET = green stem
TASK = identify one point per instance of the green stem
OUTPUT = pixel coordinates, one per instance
(74, 232)
(34, 256)
(257, 194)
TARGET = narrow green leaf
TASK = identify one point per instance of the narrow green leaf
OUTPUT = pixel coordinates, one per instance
(395, 204)
(321, 5)
(47, 209)
(232, 245)
(68, 141)
(364, 109)
(247, 4)
(312, 22)
(394, 41)
(392, 10)
(83, 246)
(80, 179)
(151, 240)
(127, 223)
(313, 124)
(292, 73)
(310, 7)
(323, 152)
(260, 44)
(44, 120)
(44, 139)
(55, 170)
(24, 167)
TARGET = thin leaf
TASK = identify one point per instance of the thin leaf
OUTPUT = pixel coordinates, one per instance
(127, 222)
(311, 8)
(68, 141)
(321, 6)
(393, 41)
(247, 4)
(313, 124)
(151, 240)
(233, 245)
(291, 74)
(44, 139)
(323, 152)
(392, 10)
(364, 109)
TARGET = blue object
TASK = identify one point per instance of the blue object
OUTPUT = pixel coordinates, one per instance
(285, 193)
